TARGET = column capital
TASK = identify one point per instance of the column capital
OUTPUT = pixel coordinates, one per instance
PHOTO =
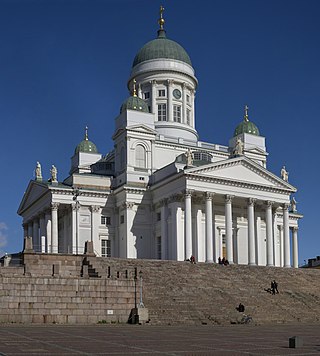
(95, 208)
(295, 228)
(128, 205)
(209, 195)
(154, 82)
(286, 206)
(175, 198)
(251, 201)
(229, 198)
(188, 192)
(75, 206)
(269, 203)
(184, 85)
(55, 206)
(170, 82)
(163, 202)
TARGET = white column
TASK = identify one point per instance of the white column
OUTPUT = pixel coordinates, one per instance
(220, 243)
(154, 108)
(164, 231)
(169, 94)
(25, 230)
(192, 120)
(95, 210)
(75, 229)
(48, 231)
(42, 233)
(54, 227)
(209, 240)
(228, 224)
(251, 237)
(184, 104)
(200, 237)
(188, 224)
(259, 244)
(131, 239)
(295, 247)
(269, 231)
(281, 246)
(286, 235)
(36, 242)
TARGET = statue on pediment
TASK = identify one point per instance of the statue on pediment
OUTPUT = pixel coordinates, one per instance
(238, 150)
(293, 205)
(284, 174)
(54, 173)
(189, 157)
(38, 171)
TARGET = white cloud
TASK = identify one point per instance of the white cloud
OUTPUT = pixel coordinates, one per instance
(3, 234)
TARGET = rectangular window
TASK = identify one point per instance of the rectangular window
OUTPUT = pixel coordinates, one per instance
(176, 113)
(161, 92)
(146, 95)
(162, 112)
(105, 248)
(188, 116)
(158, 242)
(105, 220)
(122, 219)
(158, 216)
(188, 98)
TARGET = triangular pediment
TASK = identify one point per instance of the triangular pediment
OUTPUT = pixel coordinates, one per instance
(241, 170)
(34, 192)
(141, 128)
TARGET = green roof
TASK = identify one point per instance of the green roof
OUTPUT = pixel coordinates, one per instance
(134, 103)
(246, 127)
(162, 47)
(86, 146)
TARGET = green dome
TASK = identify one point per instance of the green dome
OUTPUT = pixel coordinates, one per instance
(134, 103)
(246, 127)
(86, 146)
(161, 47)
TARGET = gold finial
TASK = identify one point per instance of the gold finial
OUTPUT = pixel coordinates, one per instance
(134, 88)
(246, 116)
(86, 133)
(161, 20)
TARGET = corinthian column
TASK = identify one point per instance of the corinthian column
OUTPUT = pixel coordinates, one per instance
(153, 97)
(269, 234)
(295, 246)
(209, 243)
(188, 226)
(251, 237)
(228, 223)
(286, 235)
(170, 107)
(54, 227)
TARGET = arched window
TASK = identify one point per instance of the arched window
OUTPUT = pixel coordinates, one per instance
(140, 156)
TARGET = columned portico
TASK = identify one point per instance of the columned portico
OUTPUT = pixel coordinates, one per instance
(209, 240)
(286, 235)
(251, 235)
(228, 224)
(269, 231)
(188, 225)
(54, 227)
(295, 247)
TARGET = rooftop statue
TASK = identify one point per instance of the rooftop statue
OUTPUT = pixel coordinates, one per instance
(284, 174)
(38, 171)
(54, 173)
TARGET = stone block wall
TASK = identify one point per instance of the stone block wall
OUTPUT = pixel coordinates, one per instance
(50, 289)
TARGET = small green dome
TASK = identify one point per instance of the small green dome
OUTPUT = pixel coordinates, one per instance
(246, 126)
(134, 103)
(86, 146)
(162, 47)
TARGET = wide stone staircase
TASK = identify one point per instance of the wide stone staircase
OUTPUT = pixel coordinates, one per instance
(185, 293)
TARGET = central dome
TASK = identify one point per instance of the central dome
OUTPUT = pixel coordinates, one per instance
(162, 47)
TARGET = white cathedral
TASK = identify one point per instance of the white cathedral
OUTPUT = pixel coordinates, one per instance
(162, 193)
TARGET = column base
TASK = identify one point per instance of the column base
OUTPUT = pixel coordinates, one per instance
(287, 266)
(252, 264)
(209, 261)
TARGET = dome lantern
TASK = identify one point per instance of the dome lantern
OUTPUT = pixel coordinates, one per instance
(86, 146)
(246, 126)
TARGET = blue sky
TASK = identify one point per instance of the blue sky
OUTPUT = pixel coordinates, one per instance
(65, 64)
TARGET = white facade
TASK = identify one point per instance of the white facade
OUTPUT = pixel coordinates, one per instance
(148, 198)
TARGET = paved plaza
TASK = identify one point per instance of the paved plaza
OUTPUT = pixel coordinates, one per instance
(157, 340)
